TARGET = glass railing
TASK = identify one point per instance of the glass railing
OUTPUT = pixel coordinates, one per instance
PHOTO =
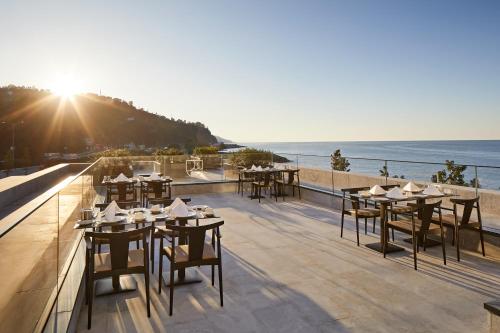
(38, 278)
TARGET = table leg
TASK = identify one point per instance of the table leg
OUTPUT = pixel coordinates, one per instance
(384, 235)
(115, 285)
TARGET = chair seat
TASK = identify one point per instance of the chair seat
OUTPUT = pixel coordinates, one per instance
(365, 212)
(102, 261)
(406, 226)
(401, 209)
(449, 221)
(182, 252)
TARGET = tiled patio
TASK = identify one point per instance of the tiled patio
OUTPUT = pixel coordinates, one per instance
(286, 269)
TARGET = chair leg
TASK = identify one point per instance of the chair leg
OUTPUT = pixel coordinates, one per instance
(171, 289)
(443, 245)
(374, 220)
(260, 192)
(366, 225)
(357, 230)
(453, 237)
(148, 299)
(457, 233)
(152, 251)
(383, 231)
(219, 269)
(91, 299)
(482, 239)
(342, 225)
(160, 272)
(213, 284)
(425, 242)
(415, 242)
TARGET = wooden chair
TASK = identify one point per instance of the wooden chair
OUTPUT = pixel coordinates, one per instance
(121, 191)
(419, 228)
(283, 182)
(244, 178)
(357, 211)
(264, 181)
(155, 188)
(155, 234)
(119, 261)
(196, 252)
(457, 222)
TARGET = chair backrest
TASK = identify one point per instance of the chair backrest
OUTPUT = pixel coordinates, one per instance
(158, 187)
(349, 192)
(469, 205)
(388, 187)
(166, 201)
(291, 176)
(425, 213)
(119, 244)
(196, 237)
(121, 204)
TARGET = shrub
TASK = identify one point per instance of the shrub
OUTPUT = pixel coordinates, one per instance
(206, 150)
(248, 156)
(171, 151)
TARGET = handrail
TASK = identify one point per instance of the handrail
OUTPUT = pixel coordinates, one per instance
(4, 229)
(390, 160)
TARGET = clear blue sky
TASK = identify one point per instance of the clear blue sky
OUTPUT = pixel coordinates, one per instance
(273, 70)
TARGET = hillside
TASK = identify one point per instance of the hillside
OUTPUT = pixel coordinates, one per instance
(52, 124)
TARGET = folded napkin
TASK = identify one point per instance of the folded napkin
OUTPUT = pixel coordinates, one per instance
(412, 187)
(259, 168)
(432, 190)
(178, 208)
(395, 193)
(377, 190)
(253, 168)
(121, 178)
(110, 211)
(154, 176)
(155, 208)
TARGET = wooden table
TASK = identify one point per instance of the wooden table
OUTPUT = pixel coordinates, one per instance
(384, 203)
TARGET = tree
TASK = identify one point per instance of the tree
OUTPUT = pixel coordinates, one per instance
(384, 172)
(8, 160)
(474, 182)
(453, 174)
(339, 163)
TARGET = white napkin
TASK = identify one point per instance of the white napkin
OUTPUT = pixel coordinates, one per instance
(154, 176)
(121, 178)
(110, 211)
(253, 168)
(377, 190)
(432, 190)
(178, 208)
(155, 208)
(259, 168)
(412, 187)
(395, 193)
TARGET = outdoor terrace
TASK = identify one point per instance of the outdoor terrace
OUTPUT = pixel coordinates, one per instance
(286, 269)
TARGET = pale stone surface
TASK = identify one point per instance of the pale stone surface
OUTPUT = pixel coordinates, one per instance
(286, 269)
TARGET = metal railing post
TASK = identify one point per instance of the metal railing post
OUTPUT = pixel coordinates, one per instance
(386, 172)
(476, 181)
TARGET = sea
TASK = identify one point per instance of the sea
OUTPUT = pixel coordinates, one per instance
(404, 158)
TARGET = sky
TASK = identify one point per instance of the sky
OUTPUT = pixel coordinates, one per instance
(266, 70)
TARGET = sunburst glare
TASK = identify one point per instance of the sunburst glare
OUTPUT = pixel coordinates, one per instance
(65, 86)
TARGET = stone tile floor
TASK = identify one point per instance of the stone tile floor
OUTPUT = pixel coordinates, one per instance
(286, 269)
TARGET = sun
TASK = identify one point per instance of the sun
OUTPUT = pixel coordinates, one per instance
(65, 86)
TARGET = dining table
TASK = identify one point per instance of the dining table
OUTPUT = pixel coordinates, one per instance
(127, 218)
(384, 202)
(262, 172)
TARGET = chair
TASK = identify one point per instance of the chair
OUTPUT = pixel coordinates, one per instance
(289, 181)
(155, 233)
(196, 252)
(122, 190)
(419, 228)
(243, 178)
(155, 187)
(119, 261)
(264, 181)
(457, 222)
(356, 210)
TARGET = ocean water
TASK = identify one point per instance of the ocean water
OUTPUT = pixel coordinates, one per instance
(485, 154)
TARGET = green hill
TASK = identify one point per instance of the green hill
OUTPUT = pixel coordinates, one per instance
(53, 124)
